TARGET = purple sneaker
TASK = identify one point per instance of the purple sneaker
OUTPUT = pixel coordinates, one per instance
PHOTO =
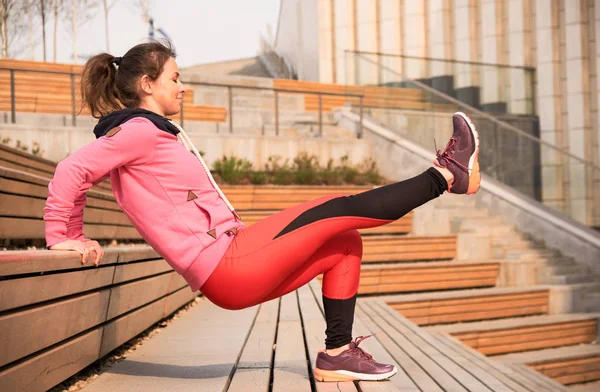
(461, 156)
(352, 364)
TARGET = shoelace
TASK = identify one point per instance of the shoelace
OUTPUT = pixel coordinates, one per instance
(359, 351)
(446, 154)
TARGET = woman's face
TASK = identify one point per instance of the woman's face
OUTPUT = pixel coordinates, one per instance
(167, 91)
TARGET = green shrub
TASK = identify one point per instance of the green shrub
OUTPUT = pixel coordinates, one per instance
(233, 170)
(305, 169)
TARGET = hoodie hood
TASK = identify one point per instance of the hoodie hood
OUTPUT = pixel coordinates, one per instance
(115, 119)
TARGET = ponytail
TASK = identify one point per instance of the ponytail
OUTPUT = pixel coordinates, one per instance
(98, 87)
(110, 83)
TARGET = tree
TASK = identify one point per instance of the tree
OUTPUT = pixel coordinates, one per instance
(107, 6)
(80, 12)
(43, 9)
(11, 25)
(58, 6)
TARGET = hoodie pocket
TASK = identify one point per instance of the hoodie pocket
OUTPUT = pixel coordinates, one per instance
(195, 214)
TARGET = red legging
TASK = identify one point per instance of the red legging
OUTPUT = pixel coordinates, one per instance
(287, 250)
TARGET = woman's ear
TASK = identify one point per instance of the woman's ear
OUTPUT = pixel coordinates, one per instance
(145, 84)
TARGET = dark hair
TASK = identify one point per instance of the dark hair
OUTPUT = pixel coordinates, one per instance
(109, 83)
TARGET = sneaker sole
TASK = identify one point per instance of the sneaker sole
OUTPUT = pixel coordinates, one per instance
(344, 375)
(474, 174)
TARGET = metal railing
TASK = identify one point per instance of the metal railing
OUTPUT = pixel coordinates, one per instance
(561, 180)
(489, 87)
(13, 92)
(276, 92)
(230, 94)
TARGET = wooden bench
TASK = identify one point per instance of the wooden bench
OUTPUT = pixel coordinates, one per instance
(430, 276)
(23, 196)
(374, 96)
(524, 334)
(565, 365)
(22, 200)
(470, 305)
(66, 316)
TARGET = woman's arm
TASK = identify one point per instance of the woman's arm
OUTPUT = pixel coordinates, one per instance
(133, 144)
(75, 223)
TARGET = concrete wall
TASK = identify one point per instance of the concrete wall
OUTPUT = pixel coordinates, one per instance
(297, 37)
(59, 142)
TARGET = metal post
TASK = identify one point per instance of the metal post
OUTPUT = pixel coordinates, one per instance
(73, 103)
(360, 126)
(320, 115)
(230, 97)
(276, 113)
(13, 105)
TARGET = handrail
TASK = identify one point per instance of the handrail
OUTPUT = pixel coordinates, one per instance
(229, 87)
(442, 60)
(501, 123)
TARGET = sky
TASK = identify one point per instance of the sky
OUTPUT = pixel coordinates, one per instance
(202, 31)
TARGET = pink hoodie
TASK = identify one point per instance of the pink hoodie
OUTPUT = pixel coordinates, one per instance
(159, 185)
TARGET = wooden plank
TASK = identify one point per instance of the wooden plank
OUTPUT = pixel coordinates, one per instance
(30, 207)
(38, 261)
(24, 228)
(471, 377)
(254, 367)
(130, 271)
(417, 373)
(429, 351)
(50, 368)
(36, 289)
(178, 299)
(290, 372)
(28, 331)
(122, 329)
(542, 383)
(199, 350)
(492, 366)
(129, 296)
(314, 331)
(479, 365)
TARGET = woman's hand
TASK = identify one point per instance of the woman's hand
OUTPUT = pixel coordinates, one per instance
(84, 248)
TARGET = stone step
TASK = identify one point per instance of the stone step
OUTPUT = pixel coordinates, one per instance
(571, 269)
(530, 254)
(568, 279)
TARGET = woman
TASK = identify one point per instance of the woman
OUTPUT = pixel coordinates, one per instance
(172, 200)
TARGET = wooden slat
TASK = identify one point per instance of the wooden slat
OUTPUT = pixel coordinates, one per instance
(477, 308)
(46, 370)
(132, 295)
(254, 367)
(36, 289)
(428, 375)
(26, 332)
(290, 373)
(127, 272)
(314, 332)
(192, 350)
(124, 328)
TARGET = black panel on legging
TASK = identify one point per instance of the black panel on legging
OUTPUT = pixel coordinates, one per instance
(389, 202)
(339, 316)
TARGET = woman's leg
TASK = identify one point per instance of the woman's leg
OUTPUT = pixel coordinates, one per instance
(267, 253)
